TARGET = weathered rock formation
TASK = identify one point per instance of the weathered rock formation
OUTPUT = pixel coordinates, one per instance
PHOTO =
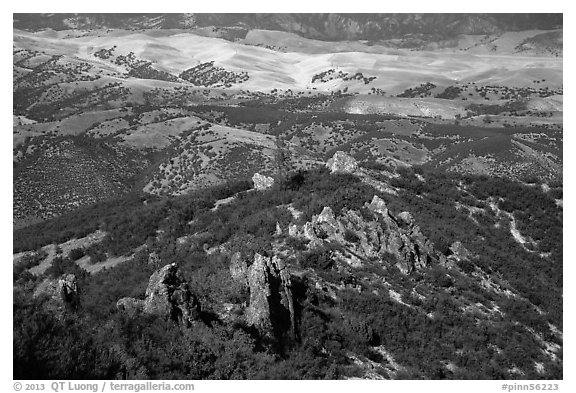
(262, 182)
(167, 295)
(62, 294)
(271, 305)
(342, 163)
(364, 239)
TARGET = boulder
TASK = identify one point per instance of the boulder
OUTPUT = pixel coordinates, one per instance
(342, 163)
(262, 182)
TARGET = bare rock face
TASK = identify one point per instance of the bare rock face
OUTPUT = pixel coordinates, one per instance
(366, 239)
(342, 163)
(167, 295)
(63, 294)
(328, 222)
(262, 182)
(271, 307)
(404, 239)
(377, 205)
(160, 287)
(258, 312)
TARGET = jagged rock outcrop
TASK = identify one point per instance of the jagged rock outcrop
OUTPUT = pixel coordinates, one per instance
(364, 239)
(167, 295)
(404, 239)
(62, 293)
(262, 182)
(342, 163)
(271, 307)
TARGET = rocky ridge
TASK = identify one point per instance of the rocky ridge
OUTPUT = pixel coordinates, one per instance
(373, 239)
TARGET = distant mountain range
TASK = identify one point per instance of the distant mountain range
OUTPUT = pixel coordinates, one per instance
(331, 27)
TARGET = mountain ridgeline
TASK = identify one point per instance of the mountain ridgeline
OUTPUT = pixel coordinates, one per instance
(331, 27)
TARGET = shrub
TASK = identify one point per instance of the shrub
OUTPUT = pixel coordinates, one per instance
(76, 254)
(350, 236)
(318, 258)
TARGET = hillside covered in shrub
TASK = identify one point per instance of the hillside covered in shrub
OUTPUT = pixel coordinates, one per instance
(461, 298)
